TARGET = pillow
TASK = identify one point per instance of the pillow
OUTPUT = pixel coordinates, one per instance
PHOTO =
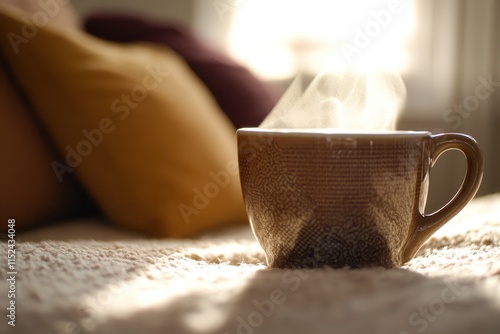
(134, 124)
(33, 195)
(30, 193)
(244, 98)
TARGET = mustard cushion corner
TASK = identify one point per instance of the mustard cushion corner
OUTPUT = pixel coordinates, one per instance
(137, 127)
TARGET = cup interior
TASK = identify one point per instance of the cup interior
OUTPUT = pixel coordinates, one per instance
(330, 131)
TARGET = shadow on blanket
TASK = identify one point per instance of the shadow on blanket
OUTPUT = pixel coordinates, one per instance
(218, 283)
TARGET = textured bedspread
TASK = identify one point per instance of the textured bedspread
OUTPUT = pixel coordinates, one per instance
(91, 278)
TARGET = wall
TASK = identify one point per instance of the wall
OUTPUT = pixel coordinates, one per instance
(172, 9)
(198, 14)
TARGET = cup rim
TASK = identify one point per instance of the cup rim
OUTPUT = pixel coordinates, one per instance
(331, 131)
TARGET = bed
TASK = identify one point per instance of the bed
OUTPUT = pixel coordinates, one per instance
(86, 276)
(142, 129)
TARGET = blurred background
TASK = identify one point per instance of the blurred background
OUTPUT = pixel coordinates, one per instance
(446, 51)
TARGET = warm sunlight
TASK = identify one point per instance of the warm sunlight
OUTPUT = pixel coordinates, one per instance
(280, 38)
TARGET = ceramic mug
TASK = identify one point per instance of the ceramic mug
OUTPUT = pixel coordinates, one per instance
(320, 197)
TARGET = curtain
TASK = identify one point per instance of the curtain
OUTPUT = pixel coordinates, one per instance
(454, 83)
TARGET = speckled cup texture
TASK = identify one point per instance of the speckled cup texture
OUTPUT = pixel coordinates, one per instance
(320, 198)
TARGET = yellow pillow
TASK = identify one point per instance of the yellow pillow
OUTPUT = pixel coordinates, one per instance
(140, 131)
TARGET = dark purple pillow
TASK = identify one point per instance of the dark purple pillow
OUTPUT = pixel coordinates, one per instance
(244, 99)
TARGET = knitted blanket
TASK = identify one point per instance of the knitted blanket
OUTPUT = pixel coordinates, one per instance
(87, 277)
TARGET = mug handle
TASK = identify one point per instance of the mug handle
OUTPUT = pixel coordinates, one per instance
(428, 224)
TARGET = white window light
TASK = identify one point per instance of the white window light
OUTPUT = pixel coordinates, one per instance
(279, 38)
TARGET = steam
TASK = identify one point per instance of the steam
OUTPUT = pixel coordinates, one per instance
(341, 99)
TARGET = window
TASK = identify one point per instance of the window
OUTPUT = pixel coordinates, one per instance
(280, 38)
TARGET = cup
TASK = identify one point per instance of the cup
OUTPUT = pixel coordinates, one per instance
(325, 198)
